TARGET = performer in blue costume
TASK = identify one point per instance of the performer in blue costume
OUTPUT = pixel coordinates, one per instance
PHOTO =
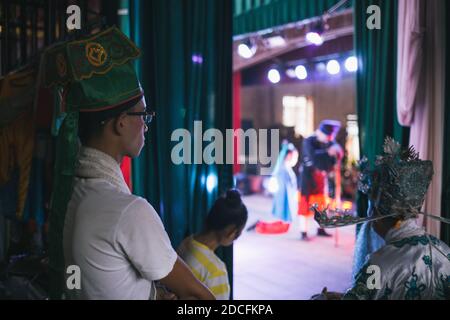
(285, 199)
(367, 242)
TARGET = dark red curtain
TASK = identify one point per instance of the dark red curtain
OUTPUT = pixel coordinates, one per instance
(126, 170)
(236, 116)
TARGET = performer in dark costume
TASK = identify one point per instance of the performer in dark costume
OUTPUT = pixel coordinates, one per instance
(320, 155)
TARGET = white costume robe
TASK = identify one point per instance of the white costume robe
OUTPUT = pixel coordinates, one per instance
(412, 265)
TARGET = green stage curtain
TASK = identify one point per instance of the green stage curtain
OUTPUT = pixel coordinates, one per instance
(445, 228)
(172, 34)
(256, 15)
(376, 81)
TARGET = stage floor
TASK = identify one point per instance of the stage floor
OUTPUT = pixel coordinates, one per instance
(282, 267)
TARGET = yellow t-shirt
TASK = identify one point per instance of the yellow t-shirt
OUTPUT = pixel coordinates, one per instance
(206, 266)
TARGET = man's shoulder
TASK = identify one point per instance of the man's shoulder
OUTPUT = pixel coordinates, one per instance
(101, 193)
(394, 254)
(139, 204)
(140, 211)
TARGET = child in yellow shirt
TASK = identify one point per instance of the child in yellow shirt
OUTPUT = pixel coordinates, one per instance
(223, 225)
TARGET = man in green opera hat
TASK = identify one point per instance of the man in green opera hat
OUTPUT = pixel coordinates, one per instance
(113, 239)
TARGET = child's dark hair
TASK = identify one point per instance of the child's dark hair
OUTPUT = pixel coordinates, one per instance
(227, 210)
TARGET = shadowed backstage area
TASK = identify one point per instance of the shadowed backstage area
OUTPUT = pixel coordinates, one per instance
(338, 158)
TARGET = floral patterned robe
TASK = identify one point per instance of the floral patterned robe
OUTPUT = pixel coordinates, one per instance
(412, 265)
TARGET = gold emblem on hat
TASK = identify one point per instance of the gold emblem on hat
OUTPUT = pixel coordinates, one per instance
(96, 54)
(61, 65)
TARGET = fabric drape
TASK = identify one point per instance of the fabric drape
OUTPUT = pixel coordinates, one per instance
(420, 94)
(186, 73)
(376, 81)
(445, 202)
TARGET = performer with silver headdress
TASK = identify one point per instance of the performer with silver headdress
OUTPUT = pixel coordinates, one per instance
(411, 264)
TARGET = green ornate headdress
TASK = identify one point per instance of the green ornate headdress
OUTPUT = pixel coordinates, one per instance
(396, 186)
(95, 73)
(88, 75)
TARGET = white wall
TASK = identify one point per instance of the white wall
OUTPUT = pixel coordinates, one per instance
(333, 99)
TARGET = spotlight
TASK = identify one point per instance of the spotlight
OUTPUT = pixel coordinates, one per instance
(275, 41)
(274, 75)
(351, 64)
(247, 49)
(197, 58)
(321, 67)
(333, 67)
(314, 38)
(315, 33)
(291, 73)
(211, 182)
(301, 73)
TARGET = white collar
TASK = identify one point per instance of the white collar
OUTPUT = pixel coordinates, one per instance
(408, 228)
(93, 163)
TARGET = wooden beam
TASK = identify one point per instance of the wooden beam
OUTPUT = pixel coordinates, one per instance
(340, 25)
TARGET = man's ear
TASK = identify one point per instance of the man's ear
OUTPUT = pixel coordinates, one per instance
(118, 124)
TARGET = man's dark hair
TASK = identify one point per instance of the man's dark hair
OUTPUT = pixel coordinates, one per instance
(227, 210)
(90, 124)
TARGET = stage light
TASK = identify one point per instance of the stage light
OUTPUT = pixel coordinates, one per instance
(321, 67)
(197, 58)
(333, 67)
(247, 49)
(314, 38)
(301, 73)
(211, 182)
(275, 41)
(291, 73)
(274, 76)
(315, 33)
(351, 64)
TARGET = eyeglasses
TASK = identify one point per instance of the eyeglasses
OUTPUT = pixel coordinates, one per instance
(147, 116)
